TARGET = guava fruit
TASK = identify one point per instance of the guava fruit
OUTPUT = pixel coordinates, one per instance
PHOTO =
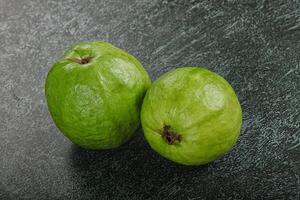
(191, 116)
(94, 94)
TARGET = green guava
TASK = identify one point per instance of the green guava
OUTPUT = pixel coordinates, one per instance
(191, 116)
(94, 94)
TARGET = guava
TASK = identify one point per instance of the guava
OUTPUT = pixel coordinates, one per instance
(191, 116)
(94, 94)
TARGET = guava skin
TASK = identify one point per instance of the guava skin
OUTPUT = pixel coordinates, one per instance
(191, 116)
(94, 94)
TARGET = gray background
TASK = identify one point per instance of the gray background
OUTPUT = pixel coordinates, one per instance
(253, 44)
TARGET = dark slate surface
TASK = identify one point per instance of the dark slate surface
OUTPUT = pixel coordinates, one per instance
(253, 44)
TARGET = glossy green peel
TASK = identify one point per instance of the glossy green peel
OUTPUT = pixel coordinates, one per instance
(191, 116)
(94, 94)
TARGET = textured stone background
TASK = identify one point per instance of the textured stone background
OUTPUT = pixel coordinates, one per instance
(253, 44)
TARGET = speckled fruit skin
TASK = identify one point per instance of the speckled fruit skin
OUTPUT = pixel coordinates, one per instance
(199, 106)
(96, 103)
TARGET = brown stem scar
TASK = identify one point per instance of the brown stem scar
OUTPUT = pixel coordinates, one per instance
(171, 137)
(81, 61)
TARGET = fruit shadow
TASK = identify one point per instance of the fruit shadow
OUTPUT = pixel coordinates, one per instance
(132, 167)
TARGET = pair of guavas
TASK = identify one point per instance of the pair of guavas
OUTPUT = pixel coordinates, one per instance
(97, 94)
